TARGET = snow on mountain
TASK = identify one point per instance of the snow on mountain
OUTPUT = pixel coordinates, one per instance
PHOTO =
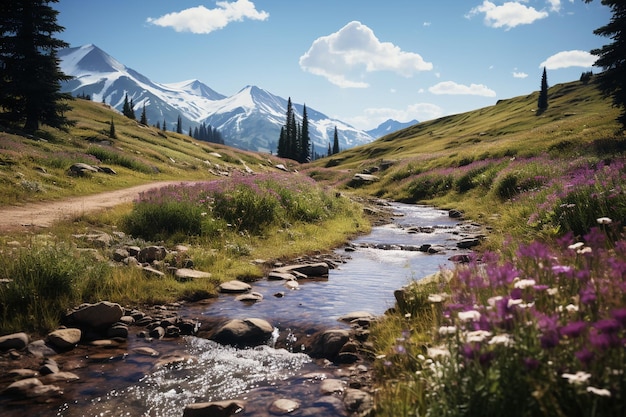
(250, 119)
(388, 127)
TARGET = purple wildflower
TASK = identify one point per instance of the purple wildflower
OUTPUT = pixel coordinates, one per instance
(573, 329)
(608, 326)
(531, 364)
(588, 295)
(585, 356)
(619, 314)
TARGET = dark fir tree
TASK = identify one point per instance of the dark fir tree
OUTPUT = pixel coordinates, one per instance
(164, 125)
(612, 57)
(190, 132)
(158, 125)
(131, 112)
(30, 76)
(112, 133)
(143, 119)
(330, 150)
(126, 106)
(305, 140)
(542, 103)
(281, 151)
(335, 142)
(179, 125)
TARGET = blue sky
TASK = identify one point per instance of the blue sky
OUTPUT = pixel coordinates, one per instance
(361, 61)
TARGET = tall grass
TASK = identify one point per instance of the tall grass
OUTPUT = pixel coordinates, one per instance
(246, 204)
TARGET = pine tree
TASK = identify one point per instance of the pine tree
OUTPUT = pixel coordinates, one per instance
(282, 143)
(112, 133)
(305, 140)
(126, 106)
(190, 132)
(131, 113)
(542, 103)
(335, 142)
(179, 125)
(612, 57)
(330, 150)
(164, 126)
(158, 125)
(144, 119)
(30, 75)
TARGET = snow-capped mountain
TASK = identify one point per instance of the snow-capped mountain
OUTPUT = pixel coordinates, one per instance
(388, 127)
(250, 119)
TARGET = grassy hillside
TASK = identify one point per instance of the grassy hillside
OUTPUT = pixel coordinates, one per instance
(35, 169)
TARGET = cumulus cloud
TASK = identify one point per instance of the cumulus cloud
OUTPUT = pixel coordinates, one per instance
(555, 5)
(566, 59)
(201, 20)
(344, 56)
(519, 74)
(452, 88)
(373, 117)
(507, 15)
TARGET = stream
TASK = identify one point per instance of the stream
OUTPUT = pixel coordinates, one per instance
(127, 384)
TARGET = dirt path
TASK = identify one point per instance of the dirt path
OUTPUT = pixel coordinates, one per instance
(33, 216)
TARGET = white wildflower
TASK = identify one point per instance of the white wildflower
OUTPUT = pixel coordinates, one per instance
(477, 336)
(584, 250)
(471, 315)
(576, 246)
(571, 308)
(599, 391)
(407, 316)
(435, 352)
(445, 330)
(525, 283)
(435, 298)
(421, 357)
(604, 220)
(527, 305)
(502, 339)
(578, 378)
(493, 300)
(553, 291)
(514, 302)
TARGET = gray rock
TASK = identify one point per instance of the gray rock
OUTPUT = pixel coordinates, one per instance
(14, 341)
(358, 402)
(97, 315)
(319, 269)
(364, 178)
(244, 333)
(80, 169)
(234, 286)
(152, 272)
(22, 373)
(214, 409)
(357, 315)
(120, 254)
(118, 330)
(329, 343)
(332, 386)
(252, 297)
(40, 349)
(64, 339)
(151, 254)
(60, 377)
(284, 406)
(186, 274)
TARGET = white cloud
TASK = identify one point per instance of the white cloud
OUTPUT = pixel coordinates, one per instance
(452, 88)
(201, 20)
(555, 5)
(346, 54)
(519, 74)
(373, 117)
(566, 59)
(507, 15)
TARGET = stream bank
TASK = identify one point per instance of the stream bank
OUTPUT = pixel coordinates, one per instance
(124, 379)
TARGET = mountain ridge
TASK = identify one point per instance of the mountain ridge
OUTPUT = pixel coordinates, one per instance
(250, 119)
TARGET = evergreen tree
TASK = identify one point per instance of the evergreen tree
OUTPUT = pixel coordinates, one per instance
(144, 119)
(158, 125)
(305, 140)
(190, 132)
(30, 75)
(126, 106)
(179, 125)
(335, 142)
(612, 57)
(164, 126)
(112, 133)
(281, 151)
(542, 103)
(330, 151)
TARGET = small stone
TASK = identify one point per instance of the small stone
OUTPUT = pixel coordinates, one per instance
(214, 409)
(284, 406)
(332, 386)
(146, 351)
(234, 286)
(64, 339)
(14, 341)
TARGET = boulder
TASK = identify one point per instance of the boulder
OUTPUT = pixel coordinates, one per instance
(31, 388)
(364, 178)
(80, 169)
(64, 339)
(332, 386)
(284, 406)
(187, 274)
(328, 344)
(358, 402)
(102, 314)
(244, 332)
(252, 297)
(152, 253)
(467, 243)
(359, 316)
(214, 409)
(16, 341)
(234, 286)
(319, 269)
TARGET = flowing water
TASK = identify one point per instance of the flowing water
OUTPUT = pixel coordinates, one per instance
(131, 385)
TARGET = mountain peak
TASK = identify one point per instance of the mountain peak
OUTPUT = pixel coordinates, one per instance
(88, 58)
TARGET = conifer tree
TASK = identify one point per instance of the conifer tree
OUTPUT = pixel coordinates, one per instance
(164, 126)
(190, 132)
(112, 133)
(179, 125)
(131, 112)
(330, 150)
(542, 103)
(144, 119)
(158, 125)
(126, 106)
(281, 151)
(305, 140)
(30, 75)
(612, 57)
(335, 142)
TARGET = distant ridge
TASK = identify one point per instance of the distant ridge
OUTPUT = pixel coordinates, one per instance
(251, 119)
